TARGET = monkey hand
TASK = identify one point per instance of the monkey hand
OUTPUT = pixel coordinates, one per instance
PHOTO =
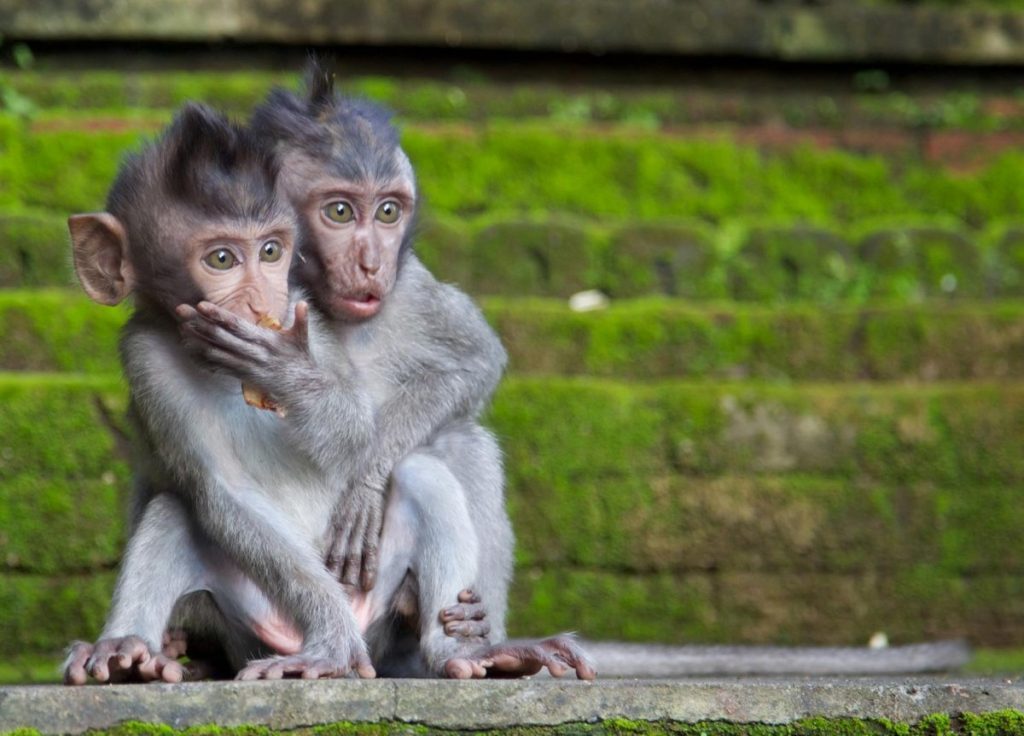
(559, 654)
(121, 659)
(257, 356)
(353, 547)
(467, 622)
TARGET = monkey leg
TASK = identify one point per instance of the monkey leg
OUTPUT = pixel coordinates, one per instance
(447, 549)
(472, 455)
(160, 565)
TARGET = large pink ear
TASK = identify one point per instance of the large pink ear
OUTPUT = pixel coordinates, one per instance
(100, 248)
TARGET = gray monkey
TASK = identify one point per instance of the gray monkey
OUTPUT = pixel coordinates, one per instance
(225, 501)
(427, 364)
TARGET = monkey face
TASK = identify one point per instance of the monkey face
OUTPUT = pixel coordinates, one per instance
(356, 230)
(243, 266)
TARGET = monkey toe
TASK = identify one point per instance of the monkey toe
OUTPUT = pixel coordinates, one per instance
(459, 668)
(565, 649)
(74, 667)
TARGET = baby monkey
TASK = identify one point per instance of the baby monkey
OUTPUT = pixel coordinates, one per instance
(229, 511)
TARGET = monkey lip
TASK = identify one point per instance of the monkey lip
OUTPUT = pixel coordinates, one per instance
(361, 305)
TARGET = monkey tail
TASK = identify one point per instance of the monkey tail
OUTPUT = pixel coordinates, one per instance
(615, 659)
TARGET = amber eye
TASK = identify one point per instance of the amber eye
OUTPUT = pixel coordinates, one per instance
(340, 211)
(389, 212)
(271, 251)
(222, 259)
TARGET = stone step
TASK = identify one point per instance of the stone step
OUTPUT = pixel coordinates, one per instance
(514, 167)
(674, 511)
(912, 706)
(866, 110)
(904, 261)
(851, 32)
(643, 339)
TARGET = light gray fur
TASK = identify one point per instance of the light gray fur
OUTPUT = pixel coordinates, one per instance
(427, 363)
(232, 500)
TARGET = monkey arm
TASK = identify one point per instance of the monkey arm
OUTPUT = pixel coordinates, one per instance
(444, 363)
(190, 428)
(309, 378)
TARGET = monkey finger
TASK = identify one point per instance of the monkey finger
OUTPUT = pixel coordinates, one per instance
(464, 612)
(468, 595)
(362, 667)
(98, 668)
(300, 326)
(468, 629)
(74, 667)
(185, 312)
(222, 339)
(368, 577)
(130, 651)
(175, 644)
(350, 573)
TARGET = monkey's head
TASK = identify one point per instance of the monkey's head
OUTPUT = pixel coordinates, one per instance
(193, 216)
(353, 188)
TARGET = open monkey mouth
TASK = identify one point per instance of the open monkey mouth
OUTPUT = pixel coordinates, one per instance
(360, 306)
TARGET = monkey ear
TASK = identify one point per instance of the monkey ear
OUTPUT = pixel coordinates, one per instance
(99, 245)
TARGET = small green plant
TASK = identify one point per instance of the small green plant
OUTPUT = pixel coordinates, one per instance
(12, 101)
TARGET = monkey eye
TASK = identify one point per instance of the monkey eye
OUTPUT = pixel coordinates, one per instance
(271, 251)
(389, 212)
(340, 211)
(222, 259)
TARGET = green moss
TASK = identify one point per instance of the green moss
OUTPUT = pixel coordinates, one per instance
(997, 662)
(759, 523)
(674, 259)
(43, 614)
(59, 330)
(442, 243)
(546, 258)
(34, 251)
(23, 669)
(51, 330)
(777, 264)
(912, 263)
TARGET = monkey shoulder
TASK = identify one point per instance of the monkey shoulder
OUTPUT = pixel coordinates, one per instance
(444, 317)
(157, 368)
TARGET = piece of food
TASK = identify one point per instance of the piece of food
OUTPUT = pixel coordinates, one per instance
(253, 396)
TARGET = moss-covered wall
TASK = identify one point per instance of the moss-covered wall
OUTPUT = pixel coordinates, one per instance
(798, 421)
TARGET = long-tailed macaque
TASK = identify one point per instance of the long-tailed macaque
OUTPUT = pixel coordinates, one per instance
(226, 501)
(425, 363)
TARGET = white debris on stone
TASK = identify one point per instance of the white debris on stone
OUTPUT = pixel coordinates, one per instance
(588, 301)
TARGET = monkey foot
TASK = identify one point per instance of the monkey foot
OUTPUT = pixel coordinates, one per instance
(558, 654)
(122, 659)
(307, 667)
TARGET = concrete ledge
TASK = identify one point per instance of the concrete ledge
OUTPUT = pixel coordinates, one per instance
(848, 31)
(498, 704)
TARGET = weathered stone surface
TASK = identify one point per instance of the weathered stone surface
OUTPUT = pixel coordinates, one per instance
(496, 704)
(839, 31)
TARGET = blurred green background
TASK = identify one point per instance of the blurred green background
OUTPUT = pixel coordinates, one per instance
(800, 418)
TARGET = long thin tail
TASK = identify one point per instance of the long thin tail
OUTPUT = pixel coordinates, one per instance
(615, 659)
